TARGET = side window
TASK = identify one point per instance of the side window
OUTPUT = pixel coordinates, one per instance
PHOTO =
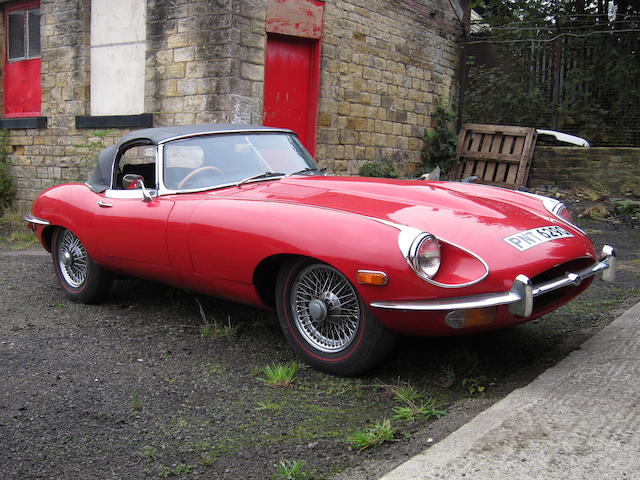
(140, 160)
(22, 84)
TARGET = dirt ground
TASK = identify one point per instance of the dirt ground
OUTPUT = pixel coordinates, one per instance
(131, 389)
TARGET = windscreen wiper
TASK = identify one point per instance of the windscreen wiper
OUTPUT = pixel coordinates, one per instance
(260, 175)
(306, 170)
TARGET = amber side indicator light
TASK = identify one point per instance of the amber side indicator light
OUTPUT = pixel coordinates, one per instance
(368, 277)
(470, 318)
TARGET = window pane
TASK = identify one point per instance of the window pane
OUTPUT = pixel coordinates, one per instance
(16, 35)
(34, 32)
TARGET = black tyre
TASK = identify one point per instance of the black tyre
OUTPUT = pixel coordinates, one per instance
(325, 321)
(81, 278)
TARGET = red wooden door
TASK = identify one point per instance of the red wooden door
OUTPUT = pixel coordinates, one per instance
(22, 86)
(291, 86)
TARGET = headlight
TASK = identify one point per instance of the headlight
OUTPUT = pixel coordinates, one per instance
(559, 209)
(424, 255)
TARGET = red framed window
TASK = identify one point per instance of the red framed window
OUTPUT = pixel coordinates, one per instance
(22, 82)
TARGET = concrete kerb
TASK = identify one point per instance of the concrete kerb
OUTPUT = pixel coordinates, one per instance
(577, 420)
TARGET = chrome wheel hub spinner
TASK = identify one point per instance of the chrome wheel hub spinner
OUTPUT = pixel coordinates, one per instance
(325, 308)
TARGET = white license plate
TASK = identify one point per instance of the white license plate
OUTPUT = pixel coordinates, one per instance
(536, 236)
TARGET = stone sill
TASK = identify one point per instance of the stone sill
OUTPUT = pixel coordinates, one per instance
(22, 123)
(115, 121)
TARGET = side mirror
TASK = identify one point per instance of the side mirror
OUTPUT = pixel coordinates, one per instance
(132, 181)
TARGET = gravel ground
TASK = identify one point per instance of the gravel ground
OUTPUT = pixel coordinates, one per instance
(131, 389)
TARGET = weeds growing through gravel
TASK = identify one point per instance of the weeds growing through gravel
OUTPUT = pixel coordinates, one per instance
(422, 410)
(181, 468)
(218, 331)
(268, 406)
(137, 402)
(474, 384)
(148, 454)
(412, 406)
(215, 330)
(279, 375)
(293, 470)
(377, 434)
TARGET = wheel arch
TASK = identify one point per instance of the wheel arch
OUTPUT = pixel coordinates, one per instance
(265, 275)
(47, 236)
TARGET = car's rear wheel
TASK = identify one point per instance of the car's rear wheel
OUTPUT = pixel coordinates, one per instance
(325, 320)
(80, 277)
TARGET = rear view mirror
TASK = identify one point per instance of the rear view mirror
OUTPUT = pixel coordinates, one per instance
(132, 181)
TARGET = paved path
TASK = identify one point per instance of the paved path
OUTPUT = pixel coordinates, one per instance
(578, 420)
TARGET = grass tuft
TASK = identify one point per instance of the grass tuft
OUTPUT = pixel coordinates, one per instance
(279, 375)
(293, 470)
(376, 434)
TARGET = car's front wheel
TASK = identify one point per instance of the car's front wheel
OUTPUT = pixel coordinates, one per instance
(325, 320)
(80, 277)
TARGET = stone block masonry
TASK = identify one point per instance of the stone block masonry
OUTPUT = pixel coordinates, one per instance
(383, 62)
(616, 169)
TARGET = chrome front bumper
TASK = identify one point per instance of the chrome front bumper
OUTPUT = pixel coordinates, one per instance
(519, 298)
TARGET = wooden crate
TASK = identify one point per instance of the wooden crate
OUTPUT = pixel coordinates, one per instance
(497, 154)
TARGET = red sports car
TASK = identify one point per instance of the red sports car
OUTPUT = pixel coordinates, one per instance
(242, 212)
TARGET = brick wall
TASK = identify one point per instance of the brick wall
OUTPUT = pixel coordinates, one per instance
(616, 168)
(383, 63)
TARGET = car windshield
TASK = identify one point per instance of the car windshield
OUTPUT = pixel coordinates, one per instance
(225, 159)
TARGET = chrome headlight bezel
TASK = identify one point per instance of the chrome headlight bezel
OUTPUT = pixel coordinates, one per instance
(424, 255)
(558, 209)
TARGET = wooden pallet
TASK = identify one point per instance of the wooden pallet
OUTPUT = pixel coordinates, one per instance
(497, 154)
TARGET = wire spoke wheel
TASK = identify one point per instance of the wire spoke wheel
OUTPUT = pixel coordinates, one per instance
(325, 308)
(73, 260)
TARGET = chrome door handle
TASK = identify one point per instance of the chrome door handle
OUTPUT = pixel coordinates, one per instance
(104, 204)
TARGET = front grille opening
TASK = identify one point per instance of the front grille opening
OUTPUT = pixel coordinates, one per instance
(562, 295)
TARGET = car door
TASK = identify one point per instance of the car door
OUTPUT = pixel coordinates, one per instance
(133, 229)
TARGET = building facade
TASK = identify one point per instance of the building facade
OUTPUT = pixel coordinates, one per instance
(356, 79)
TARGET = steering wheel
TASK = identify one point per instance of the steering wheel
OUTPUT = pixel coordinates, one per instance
(196, 172)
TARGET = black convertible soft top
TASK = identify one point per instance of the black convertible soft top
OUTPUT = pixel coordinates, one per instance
(100, 179)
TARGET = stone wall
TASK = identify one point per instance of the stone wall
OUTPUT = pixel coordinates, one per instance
(616, 168)
(205, 61)
(383, 64)
(44, 157)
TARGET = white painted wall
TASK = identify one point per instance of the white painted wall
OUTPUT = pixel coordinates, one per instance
(118, 44)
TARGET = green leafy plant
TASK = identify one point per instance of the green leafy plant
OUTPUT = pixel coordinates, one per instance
(404, 393)
(440, 142)
(474, 384)
(377, 434)
(7, 187)
(628, 207)
(381, 168)
(292, 470)
(279, 375)
(149, 454)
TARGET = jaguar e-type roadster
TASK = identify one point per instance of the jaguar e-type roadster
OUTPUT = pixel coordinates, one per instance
(243, 213)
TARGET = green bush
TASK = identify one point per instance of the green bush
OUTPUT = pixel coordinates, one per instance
(7, 188)
(381, 168)
(440, 142)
